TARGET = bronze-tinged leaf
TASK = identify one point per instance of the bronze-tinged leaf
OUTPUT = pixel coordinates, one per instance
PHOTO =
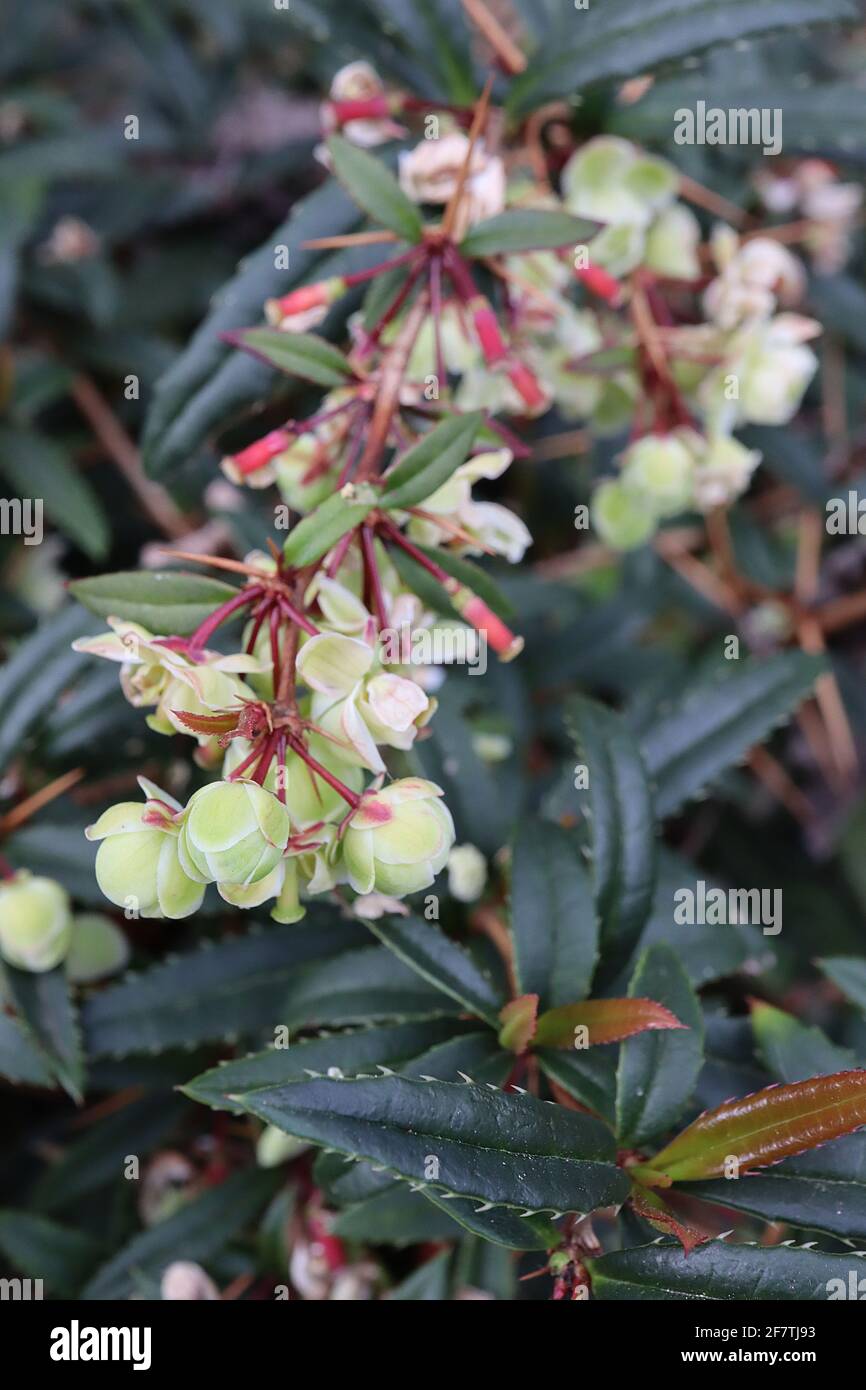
(208, 723)
(760, 1129)
(601, 1021)
(651, 1207)
(518, 1023)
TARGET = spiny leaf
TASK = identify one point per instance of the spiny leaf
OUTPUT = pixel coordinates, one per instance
(605, 1021)
(45, 1250)
(848, 973)
(714, 726)
(440, 961)
(762, 1128)
(791, 1050)
(657, 1070)
(650, 1206)
(622, 829)
(511, 1150)
(553, 918)
(50, 1018)
(742, 1272)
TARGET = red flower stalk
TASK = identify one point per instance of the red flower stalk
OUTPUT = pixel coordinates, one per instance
(600, 283)
(257, 455)
(504, 642)
(305, 298)
(526, 384)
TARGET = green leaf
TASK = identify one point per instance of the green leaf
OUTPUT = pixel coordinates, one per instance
(848, 973)
(234, 986)
(553, 919)
(526, 229)
(20, 1061)
(444, 964)
(357, 987)
(714, 727)
(657, 1071)
(167, 602)
(33, 679)
(96, 1158)
(500, 1226)
(472, 576)
(588, 1074)
(210, 381)
(431, 462)
(299, 354)
(747, 1273)
(790, 1050)
(352, 1051)
(622, 37)
(396, 1216)
(622, 827)
(431, 1282)
(49, 1016)
(38, 468)
(511, 1150)
(198, 1231)
(42, 1249)
(316, 533)
(375, 189)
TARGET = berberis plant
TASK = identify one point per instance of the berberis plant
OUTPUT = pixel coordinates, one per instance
(457, 904)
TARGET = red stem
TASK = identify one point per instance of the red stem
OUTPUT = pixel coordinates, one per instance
(394, 534)
(371, 569)
(342, 790)
(219, 615)
(296, 616)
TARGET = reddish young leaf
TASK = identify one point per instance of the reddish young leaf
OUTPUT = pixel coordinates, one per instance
(518, 1023)
(605, 1021)
(651, 1207)
(761, 1129)
(208, 723)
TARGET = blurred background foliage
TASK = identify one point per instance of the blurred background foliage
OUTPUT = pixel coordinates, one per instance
(121, 262)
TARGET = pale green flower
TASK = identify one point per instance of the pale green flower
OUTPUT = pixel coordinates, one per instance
(399, 839)
(233, 833)
(35, 922)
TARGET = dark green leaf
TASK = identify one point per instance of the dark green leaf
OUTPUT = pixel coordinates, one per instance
(511, 1150)
(621, 825)
(658, 1070)
(39, 469)
(715, 726)
(358, 987)
(218, 991)
(444, 964)
(199, 1230)
(63, 1258)
(747, 1273)
(49, 1016)
(848, 973)
(553, 918)
(19, 1059)
(316, 533)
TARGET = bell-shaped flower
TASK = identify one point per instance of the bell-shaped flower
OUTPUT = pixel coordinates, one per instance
(233, 833)
(35, 922)
(137, 864)
(398, 839)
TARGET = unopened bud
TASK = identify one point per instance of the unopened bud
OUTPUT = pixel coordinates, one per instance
(503, 641)
(257, 455)
(304, 307)
(600, 283)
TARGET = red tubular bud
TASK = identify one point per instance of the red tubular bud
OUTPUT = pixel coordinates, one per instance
(526, 384)
(487, 328)
(600, 283)
(257, 455)
(503, 641)
(364, 109)
(305, 298)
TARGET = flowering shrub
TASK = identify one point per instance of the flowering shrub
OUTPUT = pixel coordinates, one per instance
(488, 612)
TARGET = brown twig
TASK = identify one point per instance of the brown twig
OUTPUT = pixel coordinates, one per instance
(117, 444)
(512, 58)
(25, 809)
(475, 130)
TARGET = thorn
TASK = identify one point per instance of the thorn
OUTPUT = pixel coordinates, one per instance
(386, 1071)
(488, 1206)
(467, 1079)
